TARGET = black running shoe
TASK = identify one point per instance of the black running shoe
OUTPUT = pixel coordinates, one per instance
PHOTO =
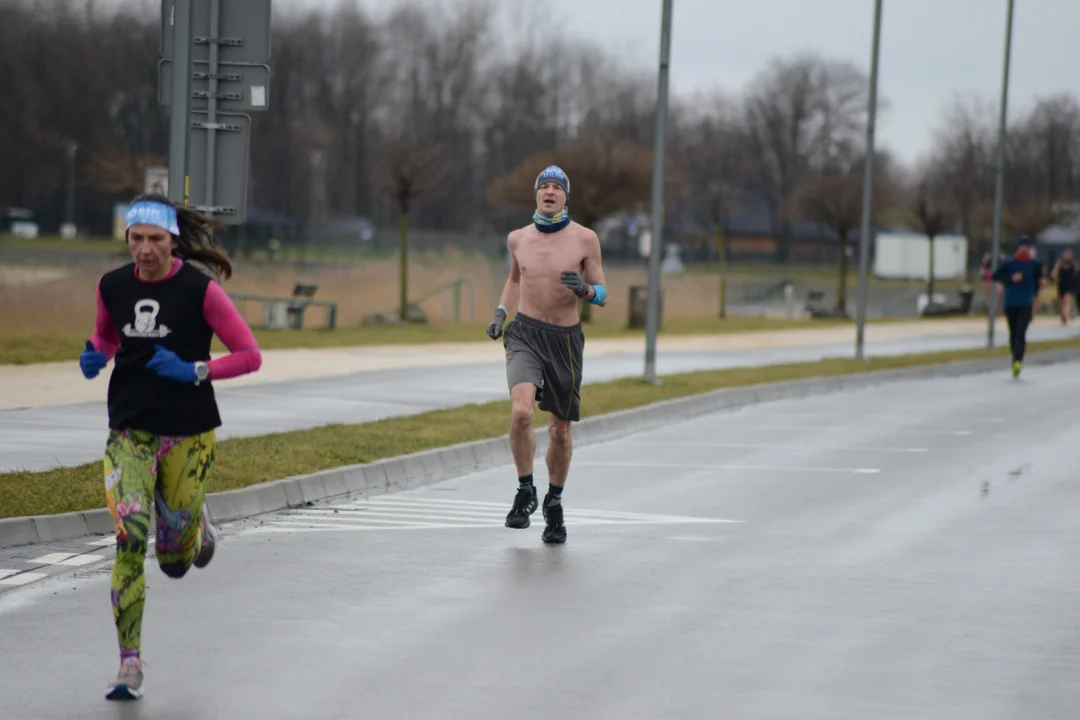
(555, 532)
(524, 506)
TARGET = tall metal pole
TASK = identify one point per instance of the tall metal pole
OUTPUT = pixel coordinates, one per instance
(868, 191)
(181, 100)
(652, 304)
(991, 305)
(211, 106)
(73, 148)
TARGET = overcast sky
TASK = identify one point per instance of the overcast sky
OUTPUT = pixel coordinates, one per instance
(930, 49)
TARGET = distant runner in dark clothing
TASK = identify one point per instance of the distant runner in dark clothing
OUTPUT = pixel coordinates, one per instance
(1021, 277)
(1065, 275)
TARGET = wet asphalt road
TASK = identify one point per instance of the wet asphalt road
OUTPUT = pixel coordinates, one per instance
(47, 437)
(908, 551)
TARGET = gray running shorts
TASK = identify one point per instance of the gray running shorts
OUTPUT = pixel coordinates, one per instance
(549, 357)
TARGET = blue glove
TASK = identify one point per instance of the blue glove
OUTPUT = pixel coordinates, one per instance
(166, 364)
(91, 361)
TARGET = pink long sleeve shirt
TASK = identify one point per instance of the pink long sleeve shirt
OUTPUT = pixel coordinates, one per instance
(220, 314)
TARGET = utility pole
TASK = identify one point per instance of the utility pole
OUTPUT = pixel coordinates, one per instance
(868, 191)
(73, 148)
(652, 301)
(999, 182)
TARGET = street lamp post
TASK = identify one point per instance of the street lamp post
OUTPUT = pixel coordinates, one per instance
(73, 149)
(652, 300)
(868, 188)
(991, 304)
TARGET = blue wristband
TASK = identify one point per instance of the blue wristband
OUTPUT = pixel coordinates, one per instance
(599, 294)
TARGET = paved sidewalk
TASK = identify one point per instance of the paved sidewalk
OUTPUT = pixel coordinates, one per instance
(51, 384)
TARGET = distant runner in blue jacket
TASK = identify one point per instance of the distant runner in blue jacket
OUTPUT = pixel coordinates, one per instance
(1021, 276)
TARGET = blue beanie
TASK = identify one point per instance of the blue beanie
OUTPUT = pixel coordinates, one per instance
(553, 174)
(1024, 240)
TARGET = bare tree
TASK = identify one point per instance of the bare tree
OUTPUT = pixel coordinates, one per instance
(121, 172)
(1044, 151)
(930, 213)
(355, 82)
(414, 170)
(616, 104)
(834, 199)
(802, 112)
(1031, 217)
(437, 82)
(963, 159)
(710, 146)
(525, 107)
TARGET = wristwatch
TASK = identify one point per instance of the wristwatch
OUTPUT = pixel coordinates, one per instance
(202, 372)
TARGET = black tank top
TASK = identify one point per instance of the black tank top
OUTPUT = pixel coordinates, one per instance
(1066, 274)
(170, 314)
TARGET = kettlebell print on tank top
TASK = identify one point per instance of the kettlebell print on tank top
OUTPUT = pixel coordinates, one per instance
(146, 312)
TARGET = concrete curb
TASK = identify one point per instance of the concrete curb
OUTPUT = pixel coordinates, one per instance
(432, 466)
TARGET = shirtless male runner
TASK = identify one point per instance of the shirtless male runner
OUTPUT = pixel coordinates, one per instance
(544, 342)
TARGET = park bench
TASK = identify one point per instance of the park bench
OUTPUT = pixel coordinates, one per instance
(815, 303)
(287, 313)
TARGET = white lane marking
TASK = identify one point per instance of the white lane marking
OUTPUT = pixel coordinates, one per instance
(314, 520)
(441, 504)
(693, 538)
(500, 509)
(785, 446)
(23, 578)
(431, 513)
(424, 511)
(278, 527)
(857, 413)
(793, 426)
(417, 520)
(725, 466)
(66, 559)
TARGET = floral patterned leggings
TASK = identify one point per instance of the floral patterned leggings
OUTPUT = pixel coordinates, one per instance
(170, 472)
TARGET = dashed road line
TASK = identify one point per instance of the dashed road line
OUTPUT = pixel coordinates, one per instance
(726, 466)
(51, 563)
(15, 578)
(430, 514)
(73, 559)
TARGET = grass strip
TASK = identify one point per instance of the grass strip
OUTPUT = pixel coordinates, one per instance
(243, 462)
(55, 243)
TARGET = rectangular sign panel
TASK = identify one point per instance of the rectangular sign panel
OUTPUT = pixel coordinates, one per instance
(241, 88)
(231, 166)
(243, 31)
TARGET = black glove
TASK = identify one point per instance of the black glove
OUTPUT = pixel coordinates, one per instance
(495, 329)
(573, 280)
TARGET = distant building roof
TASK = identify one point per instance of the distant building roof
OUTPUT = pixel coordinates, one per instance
(752, 217)
(1066, 232)
(257, 217)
